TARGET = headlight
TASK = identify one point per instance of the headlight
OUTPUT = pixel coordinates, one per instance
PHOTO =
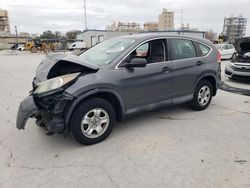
(54, 83)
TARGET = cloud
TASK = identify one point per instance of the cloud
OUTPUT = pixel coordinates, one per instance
(63, 15)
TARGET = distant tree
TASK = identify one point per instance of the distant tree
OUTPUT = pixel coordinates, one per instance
(47, 35)
(72, 34)
(51, 35)
(211, 35)
(58, 35)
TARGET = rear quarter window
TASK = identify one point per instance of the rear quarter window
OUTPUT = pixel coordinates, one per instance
(204, 49)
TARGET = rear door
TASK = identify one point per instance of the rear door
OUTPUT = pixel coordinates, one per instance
(150, 84)
(187, 66)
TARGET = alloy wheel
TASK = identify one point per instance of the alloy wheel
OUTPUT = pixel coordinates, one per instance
(95, 123)
(204, 95)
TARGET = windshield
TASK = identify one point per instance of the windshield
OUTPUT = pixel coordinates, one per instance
(218, 46)
(106, 51)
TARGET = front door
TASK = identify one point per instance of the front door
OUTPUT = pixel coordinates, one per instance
(150, 84)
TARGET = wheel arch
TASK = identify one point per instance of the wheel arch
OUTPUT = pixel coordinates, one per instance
(111, 96)
(212, 79)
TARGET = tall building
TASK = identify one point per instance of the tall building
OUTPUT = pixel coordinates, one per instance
(4, 23)
(150, 26)
(122, 26)
(166, 20)
(234, 27)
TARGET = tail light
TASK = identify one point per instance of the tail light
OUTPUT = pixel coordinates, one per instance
(219, 62)
(219, 57)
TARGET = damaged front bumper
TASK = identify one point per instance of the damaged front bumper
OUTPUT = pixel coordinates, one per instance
(48, 111)
(26, 110)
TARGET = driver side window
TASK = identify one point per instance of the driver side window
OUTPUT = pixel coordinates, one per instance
(143, 50)
(153, 51)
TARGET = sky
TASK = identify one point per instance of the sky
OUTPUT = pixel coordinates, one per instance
(64, 15)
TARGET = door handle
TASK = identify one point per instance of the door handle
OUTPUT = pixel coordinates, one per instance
(199, 63)
(166, 69)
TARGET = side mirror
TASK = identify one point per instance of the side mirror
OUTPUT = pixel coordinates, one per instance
(137, 62)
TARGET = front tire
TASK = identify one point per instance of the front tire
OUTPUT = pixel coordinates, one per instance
(92, 121)
(202, 96)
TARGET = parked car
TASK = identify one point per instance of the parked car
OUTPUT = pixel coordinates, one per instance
(88, 93)
(239, 67)
(20, 47)
(77, 46)
(227, 51)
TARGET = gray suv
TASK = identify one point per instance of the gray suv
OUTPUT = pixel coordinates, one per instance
(87, 93)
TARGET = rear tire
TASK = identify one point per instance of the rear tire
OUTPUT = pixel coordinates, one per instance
(202, 96)
(92, 121)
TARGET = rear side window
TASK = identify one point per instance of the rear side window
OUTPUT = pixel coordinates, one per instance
(204, 49)
(182, 49)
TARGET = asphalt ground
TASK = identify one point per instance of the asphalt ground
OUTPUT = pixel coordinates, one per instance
(170, 147)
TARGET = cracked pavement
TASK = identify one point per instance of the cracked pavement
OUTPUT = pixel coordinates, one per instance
(170, 147)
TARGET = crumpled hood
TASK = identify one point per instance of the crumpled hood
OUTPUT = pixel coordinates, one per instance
(61, 64)
(242, 45)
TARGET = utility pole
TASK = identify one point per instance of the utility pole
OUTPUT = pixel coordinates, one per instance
(16, 34)
(85, 15)
(181, 17)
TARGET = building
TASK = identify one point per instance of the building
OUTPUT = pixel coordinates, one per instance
(150, 26)
(7, 41)
(166, 20)
(234, 27)
(92, 37)
(34, 35)
(122, 26)
(4, 23)
(185, 27)
(24, 34)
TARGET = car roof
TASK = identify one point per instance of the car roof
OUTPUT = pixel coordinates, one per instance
(147, 36)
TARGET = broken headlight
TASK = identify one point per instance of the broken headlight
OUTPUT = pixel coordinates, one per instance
(54, 84)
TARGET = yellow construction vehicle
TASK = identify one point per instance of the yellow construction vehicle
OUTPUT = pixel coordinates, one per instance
(37, 45)
(222, 39)
(218, 41)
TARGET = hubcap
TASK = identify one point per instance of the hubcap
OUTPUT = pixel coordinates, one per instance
(95, 123)
(204, 95)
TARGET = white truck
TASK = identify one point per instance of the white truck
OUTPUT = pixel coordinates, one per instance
(77, 46)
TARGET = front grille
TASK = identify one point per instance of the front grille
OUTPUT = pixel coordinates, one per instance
(242, 69)
(241, 77)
